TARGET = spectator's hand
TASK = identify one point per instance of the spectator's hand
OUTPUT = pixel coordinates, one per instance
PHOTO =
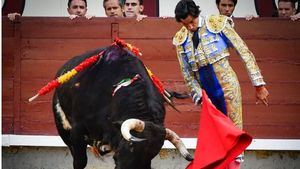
(141, 17)
(295, 17)
(89, 16)
(165, 17)
(262, 94)
(249, 17)
(73, 16)
(12, 16)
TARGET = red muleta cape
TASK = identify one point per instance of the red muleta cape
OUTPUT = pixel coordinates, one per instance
(219, 141)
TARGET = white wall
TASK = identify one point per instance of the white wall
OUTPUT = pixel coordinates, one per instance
(43, 8)
(244, 8)
(59, 7)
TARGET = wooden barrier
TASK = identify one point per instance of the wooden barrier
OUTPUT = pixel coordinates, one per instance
(34, 48)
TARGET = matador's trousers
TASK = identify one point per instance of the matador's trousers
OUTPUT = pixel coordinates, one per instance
(222, 87)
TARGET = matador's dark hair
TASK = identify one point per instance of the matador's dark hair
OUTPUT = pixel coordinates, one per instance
(185, 8)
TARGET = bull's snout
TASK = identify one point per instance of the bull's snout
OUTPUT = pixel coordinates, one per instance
(139, 126)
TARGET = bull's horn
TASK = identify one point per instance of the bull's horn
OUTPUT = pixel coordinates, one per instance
(132, 124)
(176, 141)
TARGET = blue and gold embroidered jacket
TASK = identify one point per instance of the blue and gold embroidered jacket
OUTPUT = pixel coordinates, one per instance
(216, 35)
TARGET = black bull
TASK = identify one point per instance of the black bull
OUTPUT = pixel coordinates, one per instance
(87, 113)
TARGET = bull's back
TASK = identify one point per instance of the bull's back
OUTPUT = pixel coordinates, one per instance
(70, 64)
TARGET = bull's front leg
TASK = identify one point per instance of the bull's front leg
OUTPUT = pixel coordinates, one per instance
(79, 146)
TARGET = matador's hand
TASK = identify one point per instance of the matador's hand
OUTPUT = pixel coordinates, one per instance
(262, 94)
(197, 99)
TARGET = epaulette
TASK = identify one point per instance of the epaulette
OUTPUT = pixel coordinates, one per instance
(180, 36)
(216, 23)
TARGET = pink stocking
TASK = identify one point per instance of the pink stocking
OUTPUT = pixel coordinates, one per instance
(234, 165)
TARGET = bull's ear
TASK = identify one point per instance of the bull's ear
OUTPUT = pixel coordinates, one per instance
(117, 124)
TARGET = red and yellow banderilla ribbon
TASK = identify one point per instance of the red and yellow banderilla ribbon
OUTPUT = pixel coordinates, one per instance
(130, 47)
(160, 87)
(137, 52)
(89, 61)
(67, 76)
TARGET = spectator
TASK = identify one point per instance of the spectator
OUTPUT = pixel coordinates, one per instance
(134, 8)
(286, 9)
(226, 7)
(78, 8)
(113, 8)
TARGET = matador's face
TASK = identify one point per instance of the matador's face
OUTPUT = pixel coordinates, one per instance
(190, 23)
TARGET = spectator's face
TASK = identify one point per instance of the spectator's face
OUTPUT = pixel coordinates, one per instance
(77, 7)
(133, 8)
(190, 23)
(113, 8)
(285, 9)
(226, 7)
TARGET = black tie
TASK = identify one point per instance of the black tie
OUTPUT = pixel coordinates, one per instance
(195, 39)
